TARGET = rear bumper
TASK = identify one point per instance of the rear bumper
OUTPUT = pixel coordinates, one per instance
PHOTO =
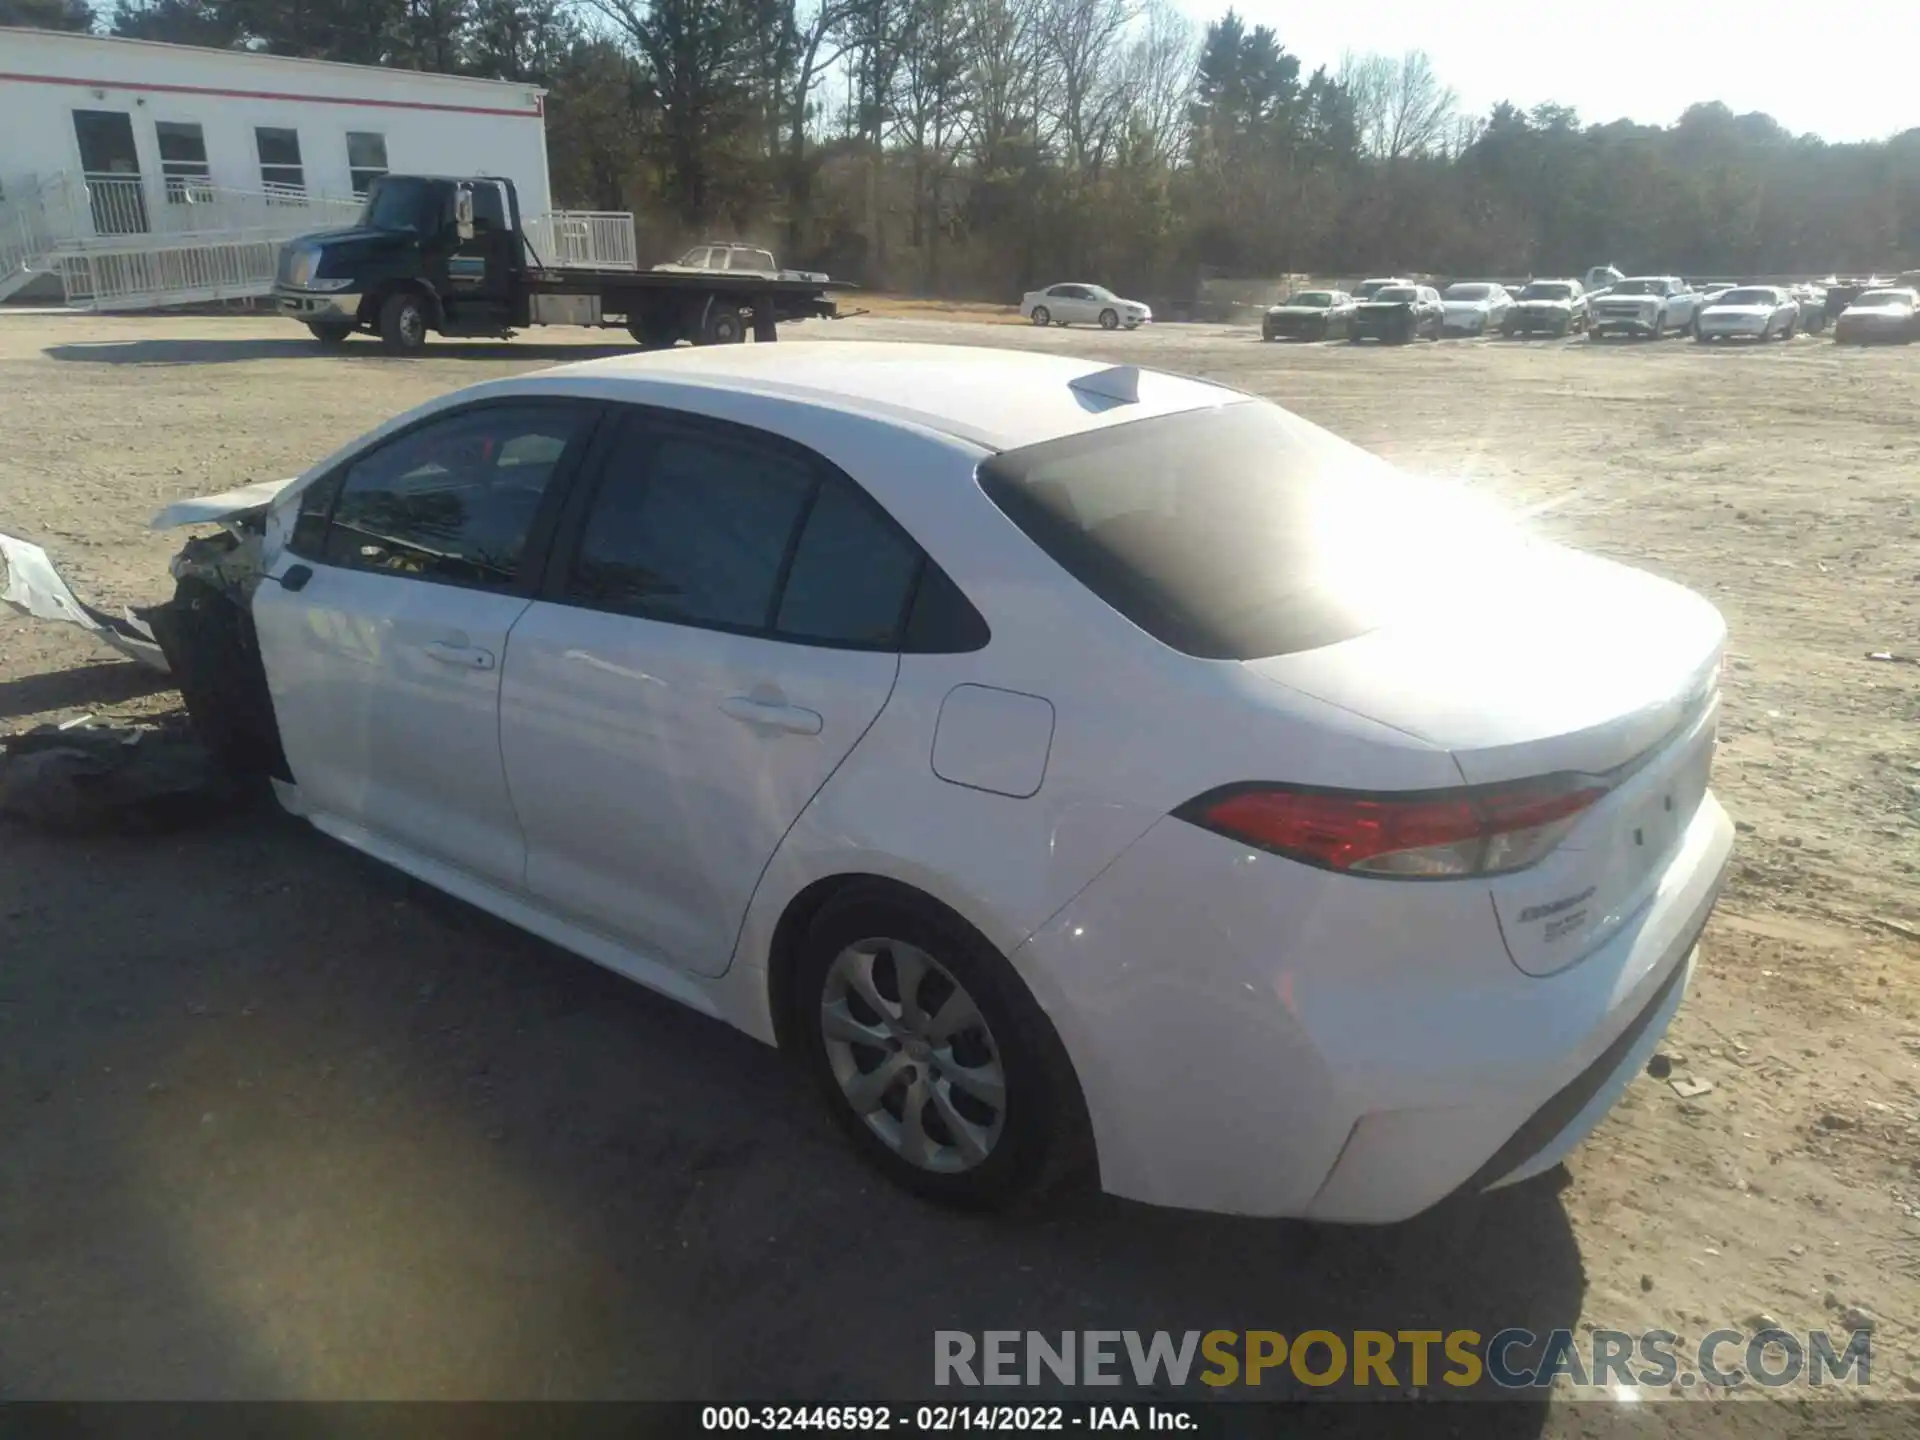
(1259, 1038)
(334, 307)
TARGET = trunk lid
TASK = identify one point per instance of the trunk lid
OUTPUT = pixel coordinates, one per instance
(1568, 664)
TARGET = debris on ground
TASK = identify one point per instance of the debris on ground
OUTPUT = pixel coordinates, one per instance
(1889, 657)
(1687, 1088)
(35, 588)
(81, 778)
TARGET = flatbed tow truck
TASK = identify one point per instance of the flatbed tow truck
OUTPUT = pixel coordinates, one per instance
(434, 254)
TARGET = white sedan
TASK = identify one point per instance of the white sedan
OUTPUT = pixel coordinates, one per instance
(1061, 761)
(1475, 308)
(1083, 305)
(1751, 312)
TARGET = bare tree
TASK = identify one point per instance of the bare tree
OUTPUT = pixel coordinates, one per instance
(1083, 45)
(1399, 105)
(1159, 71)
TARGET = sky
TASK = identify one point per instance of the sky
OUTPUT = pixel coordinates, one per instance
(1842, 69)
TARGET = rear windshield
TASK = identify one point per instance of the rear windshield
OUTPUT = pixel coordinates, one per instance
(1312, 300)
(1547, 292)
(1748, 297)
(1230, 533)
(1469, 292)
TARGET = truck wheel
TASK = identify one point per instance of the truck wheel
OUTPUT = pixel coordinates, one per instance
(403, 324)
(723, 327)
(654, 332)
(331, 335)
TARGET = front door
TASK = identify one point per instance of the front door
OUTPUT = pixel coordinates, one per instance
(385, 667)
(110, 164)
(479, 269)
(716, 636)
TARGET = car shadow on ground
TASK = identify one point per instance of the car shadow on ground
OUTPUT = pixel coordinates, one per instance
(285, 1123)
(228, 352)
(110, 682)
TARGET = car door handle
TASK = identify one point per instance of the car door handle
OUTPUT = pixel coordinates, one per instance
(471, 656)
(772, 713)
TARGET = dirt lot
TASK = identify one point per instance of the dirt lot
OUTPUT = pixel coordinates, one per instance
(281, 1124)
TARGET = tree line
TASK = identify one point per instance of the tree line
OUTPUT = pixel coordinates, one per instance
(980, 147)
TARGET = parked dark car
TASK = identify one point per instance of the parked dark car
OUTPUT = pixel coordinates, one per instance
(1310, 315)
(1399, 313)
(1558, 307)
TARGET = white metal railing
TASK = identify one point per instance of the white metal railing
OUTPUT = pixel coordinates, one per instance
(112, 208)
(183, 271)
(585, 239)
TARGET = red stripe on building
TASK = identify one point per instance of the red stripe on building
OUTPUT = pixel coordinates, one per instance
(539, 103)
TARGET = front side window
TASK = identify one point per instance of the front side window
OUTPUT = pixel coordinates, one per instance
(183, 162)
(366, 159)
(281, 173)
(453, 500)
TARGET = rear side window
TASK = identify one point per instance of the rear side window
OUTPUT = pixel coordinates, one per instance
(853, 573)
(725, 527)
(700, 536)
(1230, 533)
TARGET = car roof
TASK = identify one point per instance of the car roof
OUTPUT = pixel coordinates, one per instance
(997, 399)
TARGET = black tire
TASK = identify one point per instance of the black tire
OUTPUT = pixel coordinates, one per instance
(403, 323)
(1700, 337)
(1659, 328)
(654, 332)
(331, 334)
(1041, 316)
(723, 325)
(1109, 320)
(1791, 329)
(1042, 1143)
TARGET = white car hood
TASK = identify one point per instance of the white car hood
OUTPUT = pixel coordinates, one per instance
(1468, 307)
(227, 505)
(1874, 312)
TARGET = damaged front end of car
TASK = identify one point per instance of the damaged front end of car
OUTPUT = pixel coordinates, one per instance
(204, 636)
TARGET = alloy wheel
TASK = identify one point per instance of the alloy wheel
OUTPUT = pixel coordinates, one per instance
(913, 1055)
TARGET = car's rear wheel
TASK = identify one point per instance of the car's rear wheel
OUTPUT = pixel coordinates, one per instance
(1788, 330)
(403, 323)
(1109, 320)
(1041, 315)
(932, 1056)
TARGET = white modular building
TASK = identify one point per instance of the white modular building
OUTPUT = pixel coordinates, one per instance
(145, 173)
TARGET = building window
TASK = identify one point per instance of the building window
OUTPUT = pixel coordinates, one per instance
(281, 174)
(366, 159)
(183, 161)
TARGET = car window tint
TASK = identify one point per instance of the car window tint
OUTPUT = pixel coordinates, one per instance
(697, 530)
(453, 500)
(852, 573)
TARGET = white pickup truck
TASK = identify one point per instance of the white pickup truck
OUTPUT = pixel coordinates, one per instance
(1645, 305)
(733, 259)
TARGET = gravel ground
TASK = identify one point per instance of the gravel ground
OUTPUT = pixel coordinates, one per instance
(281, 1124)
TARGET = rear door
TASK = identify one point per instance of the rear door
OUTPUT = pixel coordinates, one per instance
(719, 630)
(385, 666)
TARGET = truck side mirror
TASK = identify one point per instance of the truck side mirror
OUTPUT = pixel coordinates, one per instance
(463, 211)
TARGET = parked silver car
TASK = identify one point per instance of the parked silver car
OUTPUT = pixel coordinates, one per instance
(1751, 312)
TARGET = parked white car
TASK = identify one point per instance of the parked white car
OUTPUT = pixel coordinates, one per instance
(1750, 312)
(1644, 306)
(1074, 304)
(1475, 308)
(1060, 759)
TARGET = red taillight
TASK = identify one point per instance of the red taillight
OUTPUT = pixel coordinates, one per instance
(1483, 830)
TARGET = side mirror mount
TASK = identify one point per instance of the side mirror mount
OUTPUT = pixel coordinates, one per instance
(463, 211)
